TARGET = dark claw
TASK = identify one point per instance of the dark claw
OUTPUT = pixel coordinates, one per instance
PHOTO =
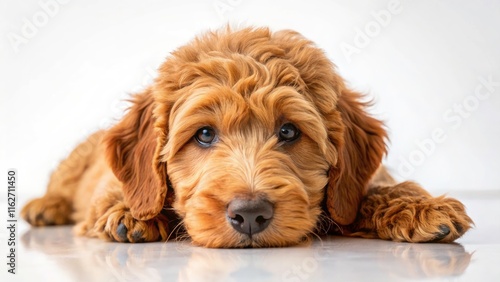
(39, 217)
(137, 236)
(444, 231)
(458, 227)
(122, 231)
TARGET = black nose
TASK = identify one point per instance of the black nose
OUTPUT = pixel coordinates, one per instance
(250, 216)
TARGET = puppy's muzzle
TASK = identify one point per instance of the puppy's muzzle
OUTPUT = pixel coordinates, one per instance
(250, 216)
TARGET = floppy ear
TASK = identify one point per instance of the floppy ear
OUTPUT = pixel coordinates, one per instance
(357, 137)
(132, 153)
(360, 153)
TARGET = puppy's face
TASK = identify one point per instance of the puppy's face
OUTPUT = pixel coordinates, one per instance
(251, 129)
(246, 157)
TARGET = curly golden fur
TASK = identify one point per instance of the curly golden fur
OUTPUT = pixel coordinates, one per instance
(286, 137)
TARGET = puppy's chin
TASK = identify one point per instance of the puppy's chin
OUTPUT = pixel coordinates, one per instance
(284, 230)
(244, 241)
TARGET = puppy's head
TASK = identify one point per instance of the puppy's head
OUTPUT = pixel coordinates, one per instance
(252, 129)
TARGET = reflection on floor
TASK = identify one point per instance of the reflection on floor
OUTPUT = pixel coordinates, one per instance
(54, 254)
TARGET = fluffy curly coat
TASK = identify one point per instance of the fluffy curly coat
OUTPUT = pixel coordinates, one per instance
(245, 91)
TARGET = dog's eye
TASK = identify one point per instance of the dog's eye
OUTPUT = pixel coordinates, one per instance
(288, 132)
(205, 136)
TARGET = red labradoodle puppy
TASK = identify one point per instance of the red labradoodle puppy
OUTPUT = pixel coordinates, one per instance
(247, 138)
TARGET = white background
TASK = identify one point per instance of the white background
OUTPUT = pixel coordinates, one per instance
(77, 60)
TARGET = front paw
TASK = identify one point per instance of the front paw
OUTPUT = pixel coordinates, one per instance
(412, 219)
(117, 224)
(48, 210)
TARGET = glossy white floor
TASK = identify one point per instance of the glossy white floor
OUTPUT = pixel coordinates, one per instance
(53, 254)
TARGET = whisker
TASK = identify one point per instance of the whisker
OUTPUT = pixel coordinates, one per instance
(317, 237)
(176, 231)
(326, 223)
